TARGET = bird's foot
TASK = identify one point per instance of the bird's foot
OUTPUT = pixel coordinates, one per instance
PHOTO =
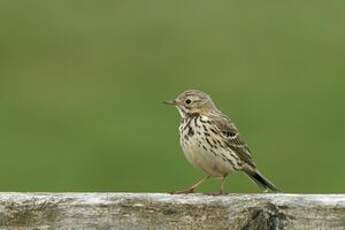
(220, 193)
(186, 191)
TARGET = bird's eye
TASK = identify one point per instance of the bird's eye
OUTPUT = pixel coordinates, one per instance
(188, 101)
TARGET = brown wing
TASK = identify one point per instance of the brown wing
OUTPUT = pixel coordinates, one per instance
(232, 138)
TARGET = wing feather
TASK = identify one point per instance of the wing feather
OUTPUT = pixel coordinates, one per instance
(232, 139)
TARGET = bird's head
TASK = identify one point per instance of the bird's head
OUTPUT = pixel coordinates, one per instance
(192, 102)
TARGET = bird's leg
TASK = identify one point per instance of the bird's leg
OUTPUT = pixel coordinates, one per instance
(193, 187)
(221, 190)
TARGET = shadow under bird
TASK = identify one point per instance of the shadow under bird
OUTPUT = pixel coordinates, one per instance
(210, 141)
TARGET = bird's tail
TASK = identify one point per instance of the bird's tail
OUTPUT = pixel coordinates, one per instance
(262, 181)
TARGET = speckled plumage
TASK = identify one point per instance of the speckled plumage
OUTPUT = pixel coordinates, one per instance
(205, 149)
(211, 141)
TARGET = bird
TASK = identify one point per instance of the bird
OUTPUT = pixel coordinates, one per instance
(211, 142)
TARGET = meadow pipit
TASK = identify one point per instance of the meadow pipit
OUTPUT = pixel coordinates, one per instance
(211, 141)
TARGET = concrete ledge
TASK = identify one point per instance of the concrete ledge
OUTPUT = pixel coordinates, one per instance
(163, 211)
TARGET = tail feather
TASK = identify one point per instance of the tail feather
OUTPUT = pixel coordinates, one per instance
(262, 181)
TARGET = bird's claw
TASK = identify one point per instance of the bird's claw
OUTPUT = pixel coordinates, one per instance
(187, 191)
(220, 193)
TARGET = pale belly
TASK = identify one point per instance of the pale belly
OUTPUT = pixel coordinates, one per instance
(200, 156)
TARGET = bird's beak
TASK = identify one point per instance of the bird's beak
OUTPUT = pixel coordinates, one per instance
(170, 102)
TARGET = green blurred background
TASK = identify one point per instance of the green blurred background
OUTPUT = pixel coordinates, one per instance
(81, 86)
